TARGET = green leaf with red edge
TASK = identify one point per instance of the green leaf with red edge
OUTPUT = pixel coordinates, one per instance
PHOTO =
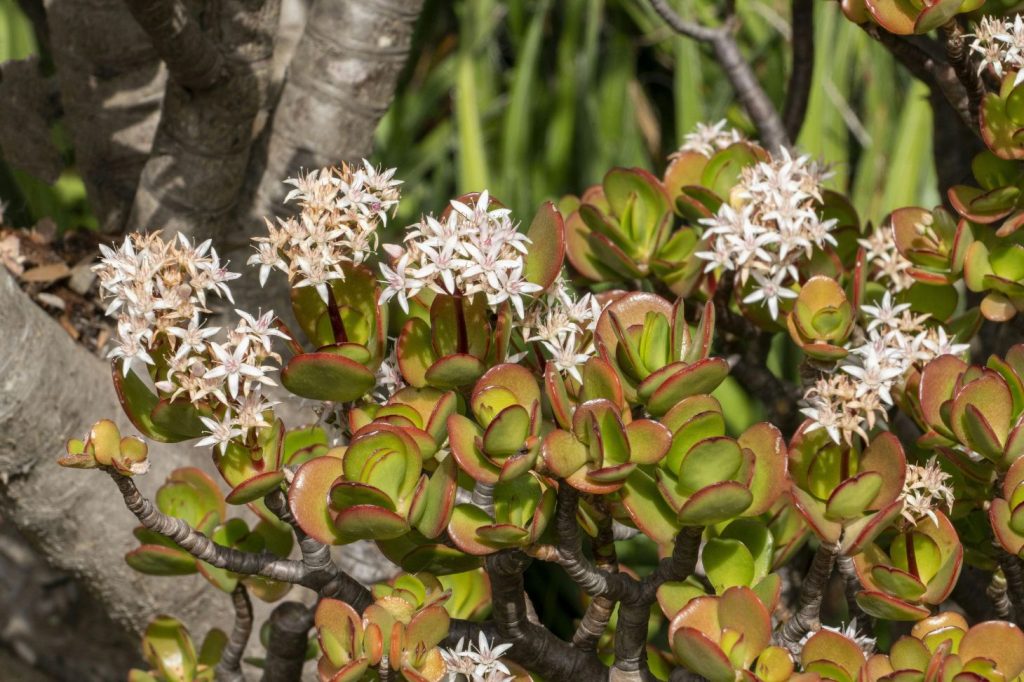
(895, 16)
(190, 494)
(340, 631)
(638, 190)
(544, 259)
(859, 533)
(992, 402)
(708, 462)
(702, 655)
(998, 641)
(728, 563)
(938, 381)
(580, 251)
(561, 454)
(852, 497)
(308, 498)
(168, 647)
(368, 522)
(723, 169)
(507, 432)
(415, 352)
(813, 512)
(998, 130)
(881, 605)
(828, 645)
(346, 494)
(715, 503)
(463, 436)
(770, 463)
(898, 582)
(326, 376)
(935, 15)
(649, 441)
(427, 628)
(432, 506)
(600, 382)
(740, 610)
(703, 376)
(255, 488)
(466, 520)
(455, 371)
(648, 509)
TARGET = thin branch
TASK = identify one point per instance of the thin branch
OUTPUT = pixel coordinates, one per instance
(851, 584)
(749, 92)
(996, 591)
(290, 622)
(193, 60)
(323, 575)
(230, 667)
(812, 591)
(935, 73)
(801, 75)
(959, 56)
(202, 547)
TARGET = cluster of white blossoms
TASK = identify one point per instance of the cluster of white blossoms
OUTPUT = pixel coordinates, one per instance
(925, 489)
(1000, 42)
(885, 261)
(564, 326)
(158, 290)
(471, 249)
(154, 286)
(708, 139)
(855, 399)
(341, 209)
(770, 221)
(482, 663)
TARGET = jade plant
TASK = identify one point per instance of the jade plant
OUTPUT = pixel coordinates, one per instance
(487, 401)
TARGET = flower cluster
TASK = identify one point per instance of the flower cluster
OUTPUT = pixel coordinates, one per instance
(154, 286)
(341, 209)
(473, 248)
(926, 488)
(770, 222)
(886, 263)
(481, 664)
(1001, 45)
(708, 139)
(854, 400)
(564, 326)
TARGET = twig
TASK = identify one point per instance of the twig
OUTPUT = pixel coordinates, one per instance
(202, 547)
(959, 57)
(727, 53)
(851, 584)
(936, 74)
(290, 622)
(812, 591)
(229, 669)
(192, 59)
(798, 92)
(996, 591)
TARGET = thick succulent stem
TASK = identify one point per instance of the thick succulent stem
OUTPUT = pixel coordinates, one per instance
(959, 56)
(230, 667)
(996, 591)
(286, 649)
(851, 585)
(1013, 571)
(200, 546)
(812, 591)
(599, 611)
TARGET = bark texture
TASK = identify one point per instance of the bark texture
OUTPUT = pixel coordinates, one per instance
(51, 389)
(340, 83)
(111, 86)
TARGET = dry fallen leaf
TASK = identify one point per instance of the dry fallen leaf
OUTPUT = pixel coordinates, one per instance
(50, 272)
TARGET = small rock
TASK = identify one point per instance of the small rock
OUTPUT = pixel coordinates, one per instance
(82, 277)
